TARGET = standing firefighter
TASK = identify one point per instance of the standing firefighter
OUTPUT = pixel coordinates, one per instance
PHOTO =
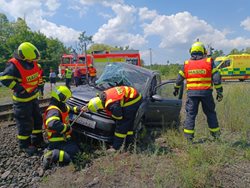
(22, 76)
(68, 76)
(121, 103)
(61, 147)
(92, 74)
(41, 82)
(200, 74)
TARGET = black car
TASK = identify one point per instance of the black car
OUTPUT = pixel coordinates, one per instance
(158, 109)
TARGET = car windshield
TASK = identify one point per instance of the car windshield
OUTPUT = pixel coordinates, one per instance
(116, 74)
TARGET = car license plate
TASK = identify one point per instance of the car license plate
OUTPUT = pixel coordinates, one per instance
(85, 122)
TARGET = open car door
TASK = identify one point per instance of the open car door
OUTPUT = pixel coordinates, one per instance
(163, 108)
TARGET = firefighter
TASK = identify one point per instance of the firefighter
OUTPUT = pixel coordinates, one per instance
(68, 76)
(92, 74)
(22, 76)
(121, 103)
(200, 74)
(41, 82)
(61, 148)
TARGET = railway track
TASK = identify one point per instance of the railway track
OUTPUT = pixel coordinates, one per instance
(6, 110)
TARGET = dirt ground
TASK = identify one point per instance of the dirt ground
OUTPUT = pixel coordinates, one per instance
(229, 177)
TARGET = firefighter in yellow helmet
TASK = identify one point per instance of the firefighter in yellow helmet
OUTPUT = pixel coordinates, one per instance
(201, 76)
(41, 82)
(121, 103)
(61, 148)
(21, 75)
(92, 74)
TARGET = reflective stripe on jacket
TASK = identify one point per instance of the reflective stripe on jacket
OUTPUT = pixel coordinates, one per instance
(29, 78)
(124, 94)
(198, 74)
(53, 135)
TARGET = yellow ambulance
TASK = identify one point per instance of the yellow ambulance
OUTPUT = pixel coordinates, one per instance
(234, 67)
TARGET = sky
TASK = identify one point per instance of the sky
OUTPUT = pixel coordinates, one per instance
(166, 28)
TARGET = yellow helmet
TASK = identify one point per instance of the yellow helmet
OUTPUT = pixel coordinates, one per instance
(95, 104)
(197, 47)
(61, 93)
(27, 51)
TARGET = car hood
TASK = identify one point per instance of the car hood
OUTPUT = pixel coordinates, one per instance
(85, 92)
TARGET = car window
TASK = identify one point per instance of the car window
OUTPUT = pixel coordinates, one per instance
(166, 91)
(116, 74)
(225, 64)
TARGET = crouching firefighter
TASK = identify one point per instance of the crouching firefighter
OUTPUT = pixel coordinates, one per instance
(121, 103)
(61, 149)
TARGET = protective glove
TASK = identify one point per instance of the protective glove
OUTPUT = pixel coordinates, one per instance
(68, 130)
(176, 91)
(219, 96)
(84, 109)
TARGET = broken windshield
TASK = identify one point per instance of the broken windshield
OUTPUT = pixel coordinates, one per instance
(116, 74)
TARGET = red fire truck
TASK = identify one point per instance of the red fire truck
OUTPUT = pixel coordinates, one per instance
(99, 59)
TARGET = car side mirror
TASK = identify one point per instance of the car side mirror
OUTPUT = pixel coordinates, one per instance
(157, 97)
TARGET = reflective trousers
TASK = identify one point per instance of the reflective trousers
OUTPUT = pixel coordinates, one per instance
(29, 123)
(124, 128)
(192, 107)
(69, 147)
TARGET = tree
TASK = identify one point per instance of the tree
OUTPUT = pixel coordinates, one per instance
(217, 53)
(84, 41)
(235, 51)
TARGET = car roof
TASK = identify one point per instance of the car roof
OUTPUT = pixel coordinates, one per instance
(139, 68)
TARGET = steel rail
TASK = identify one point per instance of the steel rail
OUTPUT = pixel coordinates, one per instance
(6, 111)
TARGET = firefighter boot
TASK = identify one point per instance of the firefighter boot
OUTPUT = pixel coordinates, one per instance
(47, 159)
(216, 135)
(38, 141)
(30, 150)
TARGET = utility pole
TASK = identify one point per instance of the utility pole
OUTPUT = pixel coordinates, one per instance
(86, 63)
(150, 55)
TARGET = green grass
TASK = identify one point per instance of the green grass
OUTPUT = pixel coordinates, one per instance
(171, 162)
(5, 94)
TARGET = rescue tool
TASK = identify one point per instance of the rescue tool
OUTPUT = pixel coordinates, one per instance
(83, 109)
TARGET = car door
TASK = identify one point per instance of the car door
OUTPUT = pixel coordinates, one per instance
(163, 108)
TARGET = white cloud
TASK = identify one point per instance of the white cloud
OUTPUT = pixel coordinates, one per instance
(146, 14)
(119, 30)
(64, 34)
(52, 5)
(246, 24)
(106, 2)
(34, 14)
(182, 29)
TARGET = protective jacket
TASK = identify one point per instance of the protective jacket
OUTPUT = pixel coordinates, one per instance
(201, 75)
(198, 74)
(118, 97)
(56, 121)
(42, 79)
(92, 71)
(68, 73)
(22, 77)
